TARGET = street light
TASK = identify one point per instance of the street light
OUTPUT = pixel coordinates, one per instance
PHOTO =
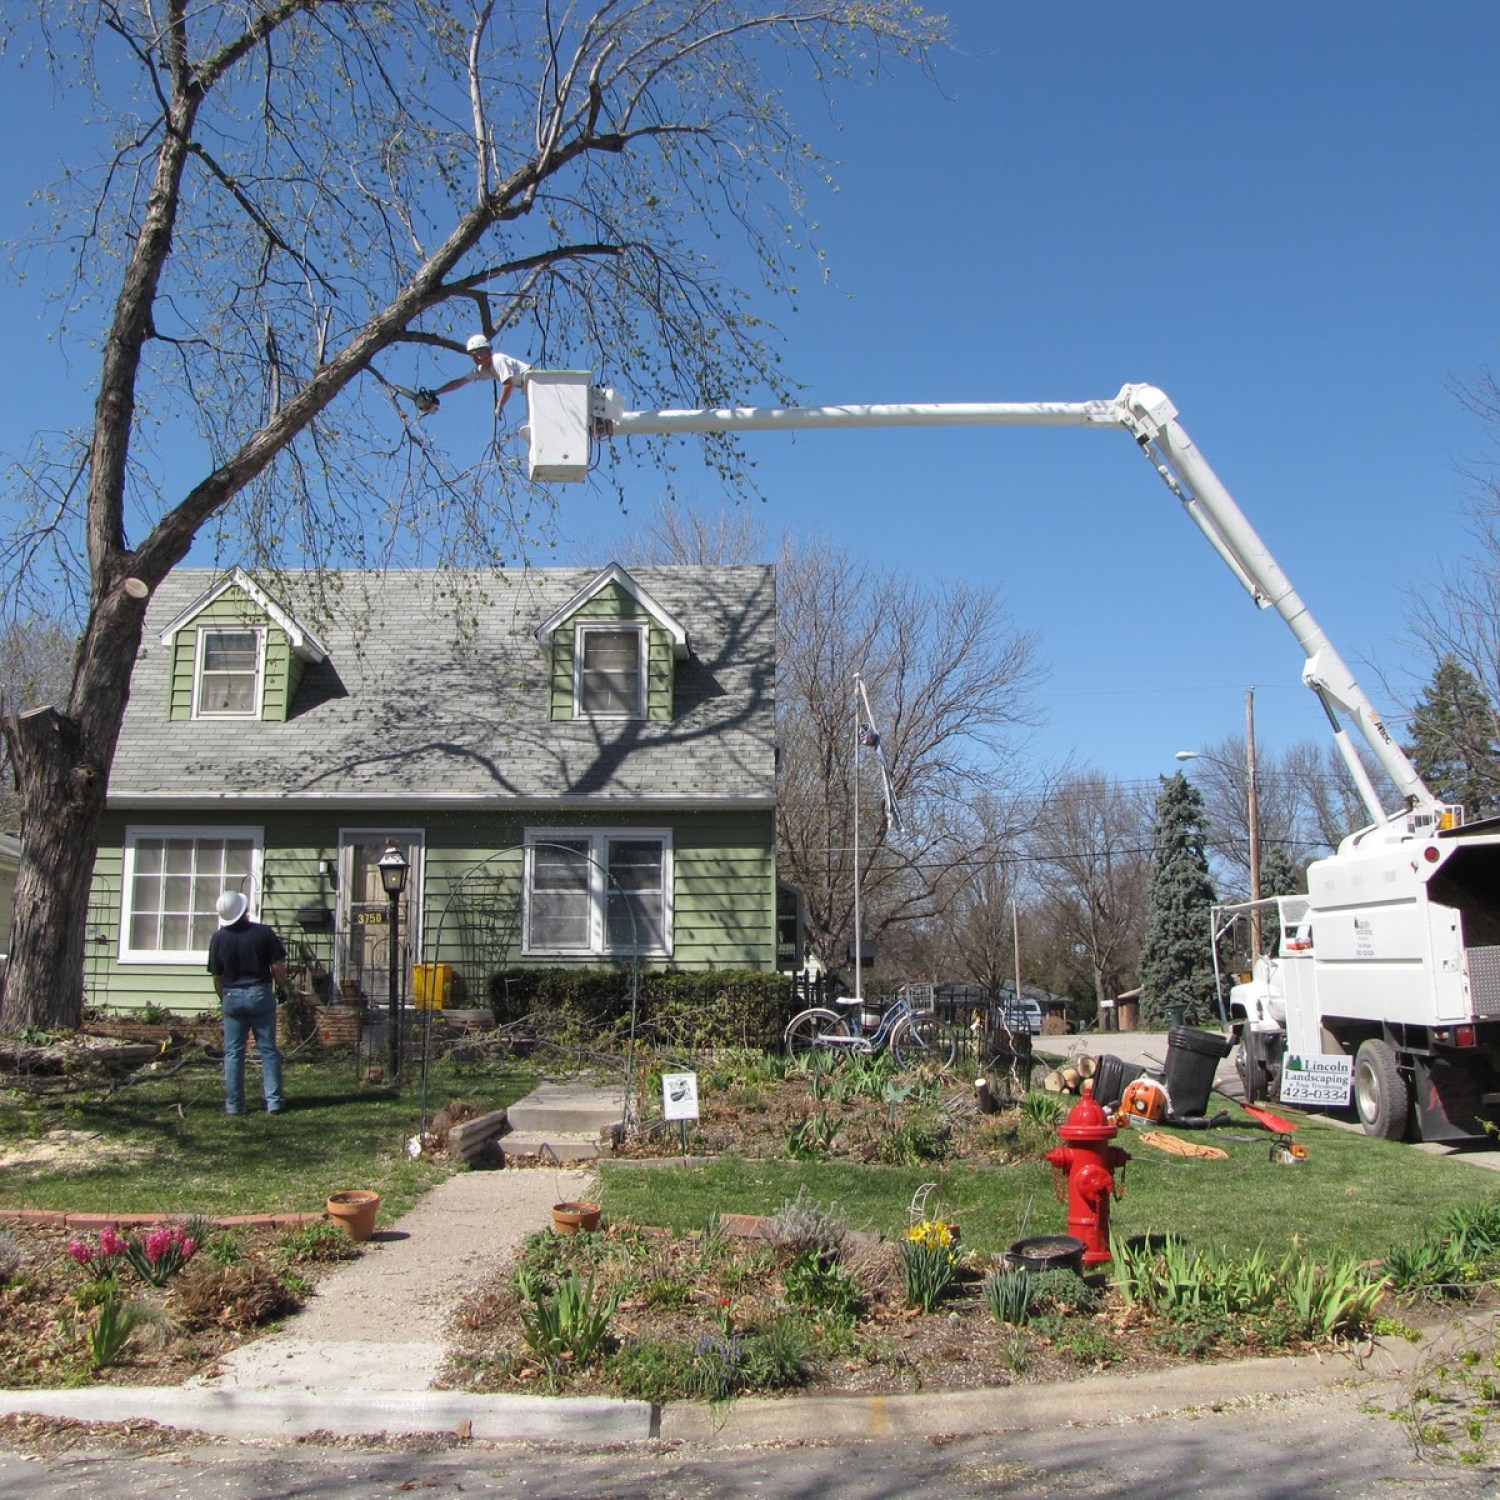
(393, 867)
(1252, 810)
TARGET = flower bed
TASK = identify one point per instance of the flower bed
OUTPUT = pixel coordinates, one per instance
(149, 1306)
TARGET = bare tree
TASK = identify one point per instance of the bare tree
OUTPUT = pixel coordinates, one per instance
(288, 190)
(990, 890)
(948, 678)
(726, 536)
(1092, 854)
(1459, 614)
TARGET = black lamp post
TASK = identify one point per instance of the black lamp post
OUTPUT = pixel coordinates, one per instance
(393, 867)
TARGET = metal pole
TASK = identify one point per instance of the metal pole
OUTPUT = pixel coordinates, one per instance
(1015, 933)
(393, 987)
(859, 946)
(1252, 816)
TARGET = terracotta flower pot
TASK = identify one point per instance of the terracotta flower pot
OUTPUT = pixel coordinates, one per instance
(354, 1212)
(569, 1218)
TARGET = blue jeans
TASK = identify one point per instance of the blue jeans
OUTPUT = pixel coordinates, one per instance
(247, 1008)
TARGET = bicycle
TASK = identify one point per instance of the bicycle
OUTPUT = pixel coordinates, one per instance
(913, 1036)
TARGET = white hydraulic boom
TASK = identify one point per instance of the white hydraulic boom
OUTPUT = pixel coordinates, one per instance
(568, 414)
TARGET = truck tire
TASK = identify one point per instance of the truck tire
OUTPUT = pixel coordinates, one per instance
(1382, 1097)
(1250, 1064)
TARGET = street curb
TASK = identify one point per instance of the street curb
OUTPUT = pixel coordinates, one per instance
(291, 1414)
(1087, 1401)
(62, 1220)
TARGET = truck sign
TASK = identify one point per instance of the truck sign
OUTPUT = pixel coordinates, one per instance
(1317, 1078)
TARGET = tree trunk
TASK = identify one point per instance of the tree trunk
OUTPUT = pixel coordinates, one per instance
(63, 798)
(62, 765)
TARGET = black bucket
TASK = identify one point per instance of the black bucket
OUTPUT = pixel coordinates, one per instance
(1193, 1057)
(1048, 1252)
(1110, 1078)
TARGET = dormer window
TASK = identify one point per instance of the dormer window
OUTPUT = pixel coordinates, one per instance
(610, 675)
(229, 673)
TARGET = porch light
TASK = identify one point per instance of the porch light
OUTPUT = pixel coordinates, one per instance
(393, 867)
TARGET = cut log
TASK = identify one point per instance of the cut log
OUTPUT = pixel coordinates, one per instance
(1086, 1065)
(1071, 1080)
(1052, 1082)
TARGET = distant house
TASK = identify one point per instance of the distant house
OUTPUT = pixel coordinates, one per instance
(578, 766)
(10, 858)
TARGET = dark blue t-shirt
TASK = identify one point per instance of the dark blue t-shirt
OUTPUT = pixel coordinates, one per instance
(244, 952)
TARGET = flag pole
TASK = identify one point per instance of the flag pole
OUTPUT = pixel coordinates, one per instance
(859, 946)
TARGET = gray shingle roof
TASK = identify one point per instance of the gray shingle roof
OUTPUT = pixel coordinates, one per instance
(428, 697)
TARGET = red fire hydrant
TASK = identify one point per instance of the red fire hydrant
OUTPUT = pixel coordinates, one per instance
(1090, 1162)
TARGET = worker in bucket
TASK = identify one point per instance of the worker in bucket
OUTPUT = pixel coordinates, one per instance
(489, 364)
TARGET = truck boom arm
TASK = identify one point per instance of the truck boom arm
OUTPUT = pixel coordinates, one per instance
(1141, 410)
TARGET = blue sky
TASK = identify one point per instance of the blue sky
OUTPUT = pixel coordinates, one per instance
(1283, 214)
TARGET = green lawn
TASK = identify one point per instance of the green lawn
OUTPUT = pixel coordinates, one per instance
(1352, 1193)
(166, 1146)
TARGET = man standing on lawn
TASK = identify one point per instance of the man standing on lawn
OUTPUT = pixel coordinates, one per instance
(248, 963)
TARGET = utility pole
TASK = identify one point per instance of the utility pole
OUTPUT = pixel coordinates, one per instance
(1252, 818)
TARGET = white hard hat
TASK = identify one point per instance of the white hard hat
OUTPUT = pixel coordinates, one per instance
(231, 907)
(477, 341)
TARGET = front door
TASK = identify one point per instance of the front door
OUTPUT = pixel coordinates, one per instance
(364, 914)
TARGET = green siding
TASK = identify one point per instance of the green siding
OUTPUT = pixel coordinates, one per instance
(613, 603)
(282, 670)
(723, 895)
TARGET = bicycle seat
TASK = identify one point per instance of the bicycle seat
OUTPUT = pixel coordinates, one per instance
(848, 1000)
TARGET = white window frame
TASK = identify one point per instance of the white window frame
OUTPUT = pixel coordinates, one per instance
(133, 837)
(598, 840)
(616, 627)
(199, 654)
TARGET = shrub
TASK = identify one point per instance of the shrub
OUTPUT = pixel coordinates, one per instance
(692, 1009)
(912, 1143)
(651, 1371)
(802, 1224)
(318, 1242)
(815, 1282)
(1064, 1291)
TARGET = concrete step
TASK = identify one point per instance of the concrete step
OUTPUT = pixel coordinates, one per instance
(554, 1144)
(566, 1109)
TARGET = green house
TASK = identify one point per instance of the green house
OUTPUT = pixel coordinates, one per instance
(578, 767)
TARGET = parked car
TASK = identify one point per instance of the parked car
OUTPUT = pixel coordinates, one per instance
(1020, 1015)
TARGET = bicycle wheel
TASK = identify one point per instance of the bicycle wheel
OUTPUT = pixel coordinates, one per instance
(924, 1039)
(804, 1029)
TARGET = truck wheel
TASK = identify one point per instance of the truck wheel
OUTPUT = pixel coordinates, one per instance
(1382, 1096)
(1250, 1064)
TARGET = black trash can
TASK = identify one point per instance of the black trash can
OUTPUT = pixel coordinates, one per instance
(1193, 1057)
(1110, 1078)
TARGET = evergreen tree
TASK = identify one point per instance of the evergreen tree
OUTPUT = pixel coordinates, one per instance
(1454, 746)
(1280, 874)
(1177, 959)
